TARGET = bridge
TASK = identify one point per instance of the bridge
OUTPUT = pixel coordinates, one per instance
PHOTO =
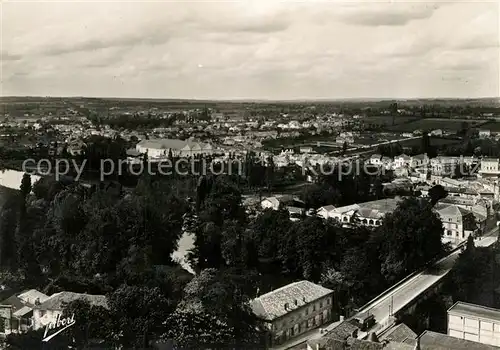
(405, 293)
(400, 297)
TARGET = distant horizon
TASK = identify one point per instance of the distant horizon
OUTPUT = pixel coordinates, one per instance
(326, 99)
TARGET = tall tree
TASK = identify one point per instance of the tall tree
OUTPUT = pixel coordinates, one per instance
(412, 238)
(26, 185)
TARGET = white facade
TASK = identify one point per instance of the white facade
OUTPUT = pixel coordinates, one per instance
(402, 161)
(453, 218)
(490, 167)
(474, 322)
(270, 203)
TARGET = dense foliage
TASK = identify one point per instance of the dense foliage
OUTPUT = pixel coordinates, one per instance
(115, 241)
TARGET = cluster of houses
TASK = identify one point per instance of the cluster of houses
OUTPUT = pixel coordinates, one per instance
(33, 310)
(467, 209)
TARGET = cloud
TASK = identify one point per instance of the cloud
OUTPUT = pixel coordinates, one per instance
(7, 56)
(259, 49)
(394, 14)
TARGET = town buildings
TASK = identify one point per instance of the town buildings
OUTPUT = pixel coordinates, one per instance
(16, 312)
(294, 309)
(367, 213)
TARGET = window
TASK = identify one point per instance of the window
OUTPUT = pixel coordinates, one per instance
(320, 304)
(345, 218)
(314, 307)
(449, 219)
(307, 311)
(328, 301)
(448, 232)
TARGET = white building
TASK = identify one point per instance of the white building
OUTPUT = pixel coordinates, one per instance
(326, 211)
(490, 167)
(270, 203)
(474, 322)
(458, 223)
(484, 133)
(160, 148)
(419, 160)
(402, 161)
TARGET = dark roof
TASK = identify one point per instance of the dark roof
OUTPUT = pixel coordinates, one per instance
(358, 344)
(461, 308)
(437, 341)
(343, 331)
(295, 295)
(327, 344)
(14, 301)
(399, 333)
(57, 301)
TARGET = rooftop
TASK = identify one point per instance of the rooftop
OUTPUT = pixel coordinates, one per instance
(383, 205)
(56, 301)
(271, 306)
(30, 296)
(437, 341)
(328, 207)
(343, 331)
(461, 308)
(399, 333)
(451, 210)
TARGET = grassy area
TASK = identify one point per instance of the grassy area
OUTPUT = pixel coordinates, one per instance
(433, 124)
(435, 141)
(387, 120)
(492, 126)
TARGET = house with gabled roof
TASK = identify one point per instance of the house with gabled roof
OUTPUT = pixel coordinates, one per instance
(325, 211)
(458, 223)
(17, 311)
(293, 309)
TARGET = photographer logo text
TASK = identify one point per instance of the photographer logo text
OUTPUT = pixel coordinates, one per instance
(56, 327)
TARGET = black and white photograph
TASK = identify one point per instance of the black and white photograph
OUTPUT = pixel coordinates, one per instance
(249, 175)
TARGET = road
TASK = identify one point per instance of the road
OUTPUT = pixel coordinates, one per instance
(408, 291)
(401, 295)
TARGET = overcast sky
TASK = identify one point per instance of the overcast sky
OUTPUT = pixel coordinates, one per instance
(251, 49)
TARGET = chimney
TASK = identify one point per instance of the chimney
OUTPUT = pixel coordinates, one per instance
(373, 337)
(341, 318)
(417, 346)
(286, 306)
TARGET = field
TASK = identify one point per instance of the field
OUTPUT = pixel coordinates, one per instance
(433, 124)
(492, 126)
(387, 120)
(434, 141)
